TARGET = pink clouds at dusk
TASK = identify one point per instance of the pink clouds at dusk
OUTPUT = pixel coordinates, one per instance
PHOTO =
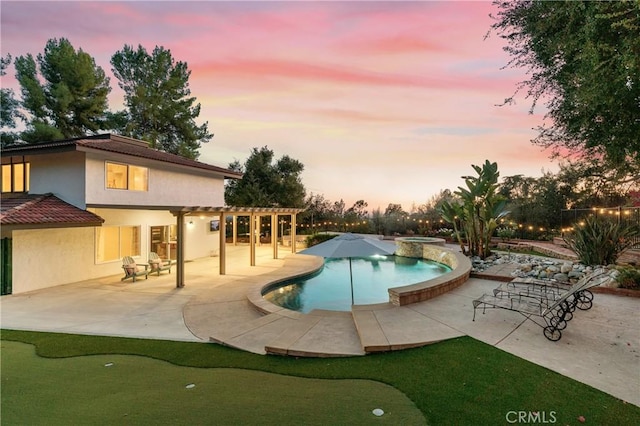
(389, 102)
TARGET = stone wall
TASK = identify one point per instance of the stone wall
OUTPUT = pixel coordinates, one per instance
(413, 246)
(461, 268)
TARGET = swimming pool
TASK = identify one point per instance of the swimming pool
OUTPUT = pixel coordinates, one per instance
(330, 287)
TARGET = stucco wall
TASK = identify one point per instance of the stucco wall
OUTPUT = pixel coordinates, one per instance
(168, 185)
(61, 174)
(50, 257)
(199, 241)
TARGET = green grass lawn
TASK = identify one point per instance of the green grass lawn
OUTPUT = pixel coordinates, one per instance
(457, 382)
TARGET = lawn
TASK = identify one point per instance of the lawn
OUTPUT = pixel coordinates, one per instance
(460, 381)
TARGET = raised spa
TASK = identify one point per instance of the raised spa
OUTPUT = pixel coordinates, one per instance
(413, 246)
(330, 287)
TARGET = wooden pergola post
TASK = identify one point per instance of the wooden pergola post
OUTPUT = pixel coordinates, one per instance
(274, 234)
(293, 232)
(180, 250)
(235, 229)
(252, 239)
(223, 243)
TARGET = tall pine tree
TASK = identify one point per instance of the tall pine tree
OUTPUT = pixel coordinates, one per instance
(9, 111)
(64, 93)
(160, 109)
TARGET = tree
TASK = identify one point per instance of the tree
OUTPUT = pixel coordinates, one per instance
(394, 219)
(357, 217)
(377, 221)
(536, 201)
(9, 105)
(454, 212)
(583, 60)
(160, 108)
(67, 97)
(317, 211)
(596, 185)
(265, 183)
(429, 213)
(479, 209)
(358, 210)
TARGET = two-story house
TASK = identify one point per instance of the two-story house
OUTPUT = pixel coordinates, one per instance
(71, 209)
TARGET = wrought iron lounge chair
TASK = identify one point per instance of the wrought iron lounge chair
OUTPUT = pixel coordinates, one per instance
(555, 315)
(549, 291)
(158, 265)
(132, 269)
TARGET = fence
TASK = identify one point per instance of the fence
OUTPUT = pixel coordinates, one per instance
(623, 215)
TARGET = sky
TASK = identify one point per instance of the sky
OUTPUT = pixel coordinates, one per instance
(386, 102)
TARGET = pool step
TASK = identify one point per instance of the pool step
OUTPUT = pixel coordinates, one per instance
(253, 335)
(389, 328)
(308, 336)
(294, 334)
(281, 344)
(372, 337)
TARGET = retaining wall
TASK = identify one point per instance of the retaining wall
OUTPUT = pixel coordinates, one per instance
(461, 269)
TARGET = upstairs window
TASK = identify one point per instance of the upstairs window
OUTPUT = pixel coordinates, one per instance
(126, 176)
(15, 177)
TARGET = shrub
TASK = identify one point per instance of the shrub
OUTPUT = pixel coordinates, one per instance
(444, 232)
(600, 241)
(314, 239)
(629, 278)
(506, 234)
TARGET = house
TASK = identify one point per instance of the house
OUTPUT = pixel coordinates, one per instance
(72, 209)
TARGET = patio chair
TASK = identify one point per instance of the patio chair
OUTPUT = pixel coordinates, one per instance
(550, 291)
(555, 315)
(132, 269)
(158, 264)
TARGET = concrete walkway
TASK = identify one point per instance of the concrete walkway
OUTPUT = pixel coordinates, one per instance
(600, 347)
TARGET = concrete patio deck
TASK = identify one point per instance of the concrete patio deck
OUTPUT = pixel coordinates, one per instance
(600, 347)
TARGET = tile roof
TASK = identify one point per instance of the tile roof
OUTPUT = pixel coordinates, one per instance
(117, 144)
(46, 209)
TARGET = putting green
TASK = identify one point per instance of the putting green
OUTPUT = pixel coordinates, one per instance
(123, 389)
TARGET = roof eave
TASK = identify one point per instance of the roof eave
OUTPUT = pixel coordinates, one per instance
(20, 226)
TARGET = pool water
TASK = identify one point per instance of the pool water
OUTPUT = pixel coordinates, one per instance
(330, 288)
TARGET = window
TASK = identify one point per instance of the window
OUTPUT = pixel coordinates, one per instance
(15, 177)
(124, 176)
(115, 242)
(138, 178)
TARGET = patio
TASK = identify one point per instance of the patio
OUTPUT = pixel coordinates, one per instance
(600, 348)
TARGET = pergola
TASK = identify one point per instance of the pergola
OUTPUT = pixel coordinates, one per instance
(254, 214)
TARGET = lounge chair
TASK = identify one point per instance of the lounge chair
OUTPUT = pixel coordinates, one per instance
(132, 269)
(555, 312)
(158, 265)
(550, 291)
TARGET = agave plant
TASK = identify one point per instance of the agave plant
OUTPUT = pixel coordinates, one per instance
(601, 241)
